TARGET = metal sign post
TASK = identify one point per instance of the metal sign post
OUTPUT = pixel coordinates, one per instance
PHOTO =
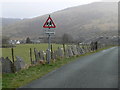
(49, 24)
(49, 47)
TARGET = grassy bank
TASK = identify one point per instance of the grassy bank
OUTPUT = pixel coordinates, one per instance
(34, 72)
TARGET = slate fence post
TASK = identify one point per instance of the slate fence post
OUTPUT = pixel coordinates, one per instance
(64, 49)
(31, 56)
(13, 67)
(51, 51)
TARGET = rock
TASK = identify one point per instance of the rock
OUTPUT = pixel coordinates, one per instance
(6, 65)
(60, 52)
(54, 56)
(36, 55)
(74, 50)
(70, 53)
(19, 63)
(41, 55)
(48, 55)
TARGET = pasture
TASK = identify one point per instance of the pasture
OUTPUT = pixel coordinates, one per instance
(22, 50)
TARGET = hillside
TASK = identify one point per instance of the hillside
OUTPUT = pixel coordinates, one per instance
(84, 21)
(8, 21)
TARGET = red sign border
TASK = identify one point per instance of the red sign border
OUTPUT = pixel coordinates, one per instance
(49, 26)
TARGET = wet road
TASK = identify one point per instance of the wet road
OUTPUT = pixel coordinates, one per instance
(99, 70)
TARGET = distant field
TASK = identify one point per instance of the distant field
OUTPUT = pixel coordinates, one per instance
(22, 50)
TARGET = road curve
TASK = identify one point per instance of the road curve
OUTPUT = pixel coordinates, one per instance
(99, 70)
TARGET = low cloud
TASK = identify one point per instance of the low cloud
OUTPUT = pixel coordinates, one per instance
(110, 0)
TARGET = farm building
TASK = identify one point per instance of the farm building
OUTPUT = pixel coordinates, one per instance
(13, 42)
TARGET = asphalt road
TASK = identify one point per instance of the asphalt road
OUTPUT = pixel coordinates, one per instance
(99, 70)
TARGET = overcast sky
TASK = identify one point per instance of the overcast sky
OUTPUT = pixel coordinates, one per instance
(34, 8)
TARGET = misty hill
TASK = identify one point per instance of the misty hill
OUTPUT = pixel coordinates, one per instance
(83, 21)
(8, 21)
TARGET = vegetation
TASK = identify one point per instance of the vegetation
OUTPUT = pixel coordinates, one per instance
(28, 40)
(67, 38)
(34, 72)
(5, 40)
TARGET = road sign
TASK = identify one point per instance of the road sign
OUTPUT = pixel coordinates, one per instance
(49, 23)
(50, 33)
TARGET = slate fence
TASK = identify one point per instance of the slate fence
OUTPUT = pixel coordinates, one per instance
(41, 57)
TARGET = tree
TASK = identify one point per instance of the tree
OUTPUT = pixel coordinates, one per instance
(5, 40)
(28, 40)
(66, 38)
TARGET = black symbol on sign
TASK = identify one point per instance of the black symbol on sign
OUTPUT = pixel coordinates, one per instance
(49, 23)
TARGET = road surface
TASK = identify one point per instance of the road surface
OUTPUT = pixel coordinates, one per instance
(99, 70)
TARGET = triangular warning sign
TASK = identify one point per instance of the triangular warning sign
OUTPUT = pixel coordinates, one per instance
(49, 23)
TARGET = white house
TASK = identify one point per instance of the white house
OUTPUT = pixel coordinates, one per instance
(13, 42)
(17, 42)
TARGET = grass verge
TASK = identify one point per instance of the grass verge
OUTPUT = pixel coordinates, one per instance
(15, 80)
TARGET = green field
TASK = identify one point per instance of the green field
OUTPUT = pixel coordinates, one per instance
(22, 50)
